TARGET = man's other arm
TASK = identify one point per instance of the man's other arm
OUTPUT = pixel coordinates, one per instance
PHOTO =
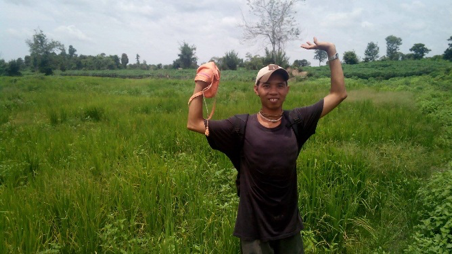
(195, 117)
(337, 91)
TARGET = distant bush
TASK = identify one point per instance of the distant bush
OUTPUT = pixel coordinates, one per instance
(383, 70)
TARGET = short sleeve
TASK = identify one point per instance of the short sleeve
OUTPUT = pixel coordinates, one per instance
(309, 116)
(221, 135)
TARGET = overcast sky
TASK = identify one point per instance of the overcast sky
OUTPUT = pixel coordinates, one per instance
(155, 29)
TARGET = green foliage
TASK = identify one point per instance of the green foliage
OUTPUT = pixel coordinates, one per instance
(392, 47)
(253, 62)
(434, 233)
(187, 57)
(301, 63)
(448, 53)
(278, 57)
(106, 165)
(13, 68)
(3, 67)
(72, 51)
(350, 57)
(42, 52)
(320, 55)
(138, 59)
(419, 50)
(230, 61)
(124, 60)
(100, 62)
(383, 70)
(371, 53)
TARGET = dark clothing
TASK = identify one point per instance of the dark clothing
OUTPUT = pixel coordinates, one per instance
(293, 244)
(268, 208)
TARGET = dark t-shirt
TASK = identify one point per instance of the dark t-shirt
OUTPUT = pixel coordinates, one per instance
(268, 208)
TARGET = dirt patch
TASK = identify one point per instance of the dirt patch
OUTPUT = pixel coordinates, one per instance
(297, 73)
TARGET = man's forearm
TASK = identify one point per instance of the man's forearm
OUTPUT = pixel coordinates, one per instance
(337, 74)
(195, 114)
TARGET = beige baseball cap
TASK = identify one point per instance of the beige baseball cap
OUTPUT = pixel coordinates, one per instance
(264, 74)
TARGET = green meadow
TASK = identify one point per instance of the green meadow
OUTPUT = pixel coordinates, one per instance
(106, 165)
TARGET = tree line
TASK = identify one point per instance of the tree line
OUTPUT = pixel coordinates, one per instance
(47, 55)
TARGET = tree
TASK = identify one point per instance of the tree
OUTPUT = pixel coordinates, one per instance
(72, 51)
(43, 52)
(124, 60)
(392, 47)
(409, 56)
(279, 58)
(138, 59)
(371, 53)
(253, 62)
(21, 63)
(448, 53)
(13, 68)
(230, 61)
(3, 67)
(301, 63)
(144, 65)
(320, 55)
(350, 57)
(187, 58)
(27, 61)
(116, 61)
(63, 59)
(419, 50)
(276, 23)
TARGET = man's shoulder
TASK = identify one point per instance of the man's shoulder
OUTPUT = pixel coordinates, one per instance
(309, 109)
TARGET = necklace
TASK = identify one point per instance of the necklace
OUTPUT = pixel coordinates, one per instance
(268, 115)
(270, 120)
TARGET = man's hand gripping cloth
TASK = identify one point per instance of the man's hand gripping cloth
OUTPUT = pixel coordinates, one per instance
(208, 73)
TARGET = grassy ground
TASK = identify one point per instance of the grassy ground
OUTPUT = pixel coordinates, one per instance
(106, 165)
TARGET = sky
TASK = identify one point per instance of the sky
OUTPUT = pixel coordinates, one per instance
(156, 29)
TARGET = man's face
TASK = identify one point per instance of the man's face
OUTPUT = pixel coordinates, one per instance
(273, 92)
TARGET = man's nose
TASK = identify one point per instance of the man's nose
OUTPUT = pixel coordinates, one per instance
(273, 89)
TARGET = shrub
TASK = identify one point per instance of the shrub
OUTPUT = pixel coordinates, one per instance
(434, 233)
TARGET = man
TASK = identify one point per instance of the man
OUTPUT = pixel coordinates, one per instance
(268, 219)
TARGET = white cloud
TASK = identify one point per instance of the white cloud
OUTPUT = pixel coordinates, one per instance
(230, 21)
(366, 24)
(72, 32)
(415, 6)
(19, 33)
(342, 19)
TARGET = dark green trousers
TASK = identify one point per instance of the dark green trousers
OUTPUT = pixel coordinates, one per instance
(293, 244)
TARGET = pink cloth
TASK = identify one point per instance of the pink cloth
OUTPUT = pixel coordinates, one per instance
(209, 73)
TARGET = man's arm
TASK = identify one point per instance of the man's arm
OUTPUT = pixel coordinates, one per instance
(195, 118)
(337, 92)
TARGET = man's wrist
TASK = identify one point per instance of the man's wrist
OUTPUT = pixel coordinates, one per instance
(333, 57)
(331, 51)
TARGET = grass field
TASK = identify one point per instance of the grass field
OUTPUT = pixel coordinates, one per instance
(106, 165)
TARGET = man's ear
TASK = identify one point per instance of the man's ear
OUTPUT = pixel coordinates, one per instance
(255, 90)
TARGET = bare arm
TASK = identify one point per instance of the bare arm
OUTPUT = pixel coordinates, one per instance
(195, 118)
(337, 92)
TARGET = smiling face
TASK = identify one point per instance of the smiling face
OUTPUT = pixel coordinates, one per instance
(272, 93)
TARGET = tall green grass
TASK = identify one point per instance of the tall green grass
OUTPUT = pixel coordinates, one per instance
(106, 165)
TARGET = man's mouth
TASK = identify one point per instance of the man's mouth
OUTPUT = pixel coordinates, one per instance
(273, 99)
